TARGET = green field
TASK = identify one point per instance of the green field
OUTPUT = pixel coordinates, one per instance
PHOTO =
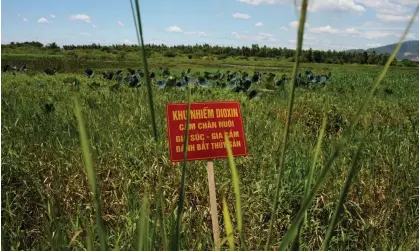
(46, 198)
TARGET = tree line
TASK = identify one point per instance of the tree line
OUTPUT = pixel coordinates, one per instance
(197, 51)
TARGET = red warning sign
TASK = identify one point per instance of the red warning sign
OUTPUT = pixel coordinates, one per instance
(207, 125)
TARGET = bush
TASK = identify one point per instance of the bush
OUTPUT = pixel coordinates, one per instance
(190, 56)
(169, 54)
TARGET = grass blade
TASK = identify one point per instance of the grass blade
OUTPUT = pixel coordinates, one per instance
(309, 180)
(176, 230)
(142, 229)
(288, 122)
(139, 30)
(345, 137)
(160, 210)
(228, 225)
(89, 239)
(236, 187)
(339, 207)
(91, 175)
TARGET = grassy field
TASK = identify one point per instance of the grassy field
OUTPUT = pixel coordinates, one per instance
(46, 199)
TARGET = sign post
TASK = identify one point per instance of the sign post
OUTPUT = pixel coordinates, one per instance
(207, 125)
(213, 203)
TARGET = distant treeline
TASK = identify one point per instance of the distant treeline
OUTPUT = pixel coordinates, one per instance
(222, 52)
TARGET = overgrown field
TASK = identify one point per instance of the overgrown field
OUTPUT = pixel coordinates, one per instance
(46, 198)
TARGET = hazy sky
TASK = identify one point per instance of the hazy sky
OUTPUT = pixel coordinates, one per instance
(331, 24)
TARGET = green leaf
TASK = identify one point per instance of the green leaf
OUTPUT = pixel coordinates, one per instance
(236, 187)
(343, 194)
(228, 225)
(288, 122)
(91, 176)
(176, 230)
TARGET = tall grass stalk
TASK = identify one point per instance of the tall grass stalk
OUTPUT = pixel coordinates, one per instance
(160, 205)
(236, 187)
(228, 226)
(142, 229)
(309, 180)
(176, 230)
(91, 175)
(288, 122)
(339, 207)
(292, 231)
(140, 37)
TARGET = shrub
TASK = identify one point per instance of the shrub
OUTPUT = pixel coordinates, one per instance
(169, 54)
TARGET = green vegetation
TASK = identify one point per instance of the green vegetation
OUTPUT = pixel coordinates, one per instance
(129, 52)
(118, 191)
(42, 160)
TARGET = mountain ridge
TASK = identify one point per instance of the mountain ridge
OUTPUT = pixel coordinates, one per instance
(409, 50)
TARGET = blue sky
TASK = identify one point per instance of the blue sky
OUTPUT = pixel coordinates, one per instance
(331, 24)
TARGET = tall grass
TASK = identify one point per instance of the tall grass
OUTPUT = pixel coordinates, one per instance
(309, 193)
(91, 175)
(288, 121)
(177, 228)
(141, 239)
(292, 231)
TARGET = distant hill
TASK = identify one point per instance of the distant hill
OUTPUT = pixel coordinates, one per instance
(409, 50)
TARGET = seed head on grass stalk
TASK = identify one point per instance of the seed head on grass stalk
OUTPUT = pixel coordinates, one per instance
(288, 122)
(292, 231)
(176, 229)
(91, 176)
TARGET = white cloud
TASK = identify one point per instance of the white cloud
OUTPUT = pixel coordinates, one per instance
(324, 29)
(368, 33)
(173, 28)
(219, 14)
(294, 24)
(257, 2)
(25, 19)
(82, 17)
(407, 2)
(120, 23)
(52, 16)
(241, 15)
(393, 18)
(259, 24)
(411, 36)
(391, 10)
(371, 34)
(43, 20)
(320, 5)
(334, 5)
(373, 45)
(265, 34)
(351, 31)
(94, 26)
(260, 37)
(128, 42)
(283, 28)
(198, 33)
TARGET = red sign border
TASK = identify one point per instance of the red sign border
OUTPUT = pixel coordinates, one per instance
(225, 102)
